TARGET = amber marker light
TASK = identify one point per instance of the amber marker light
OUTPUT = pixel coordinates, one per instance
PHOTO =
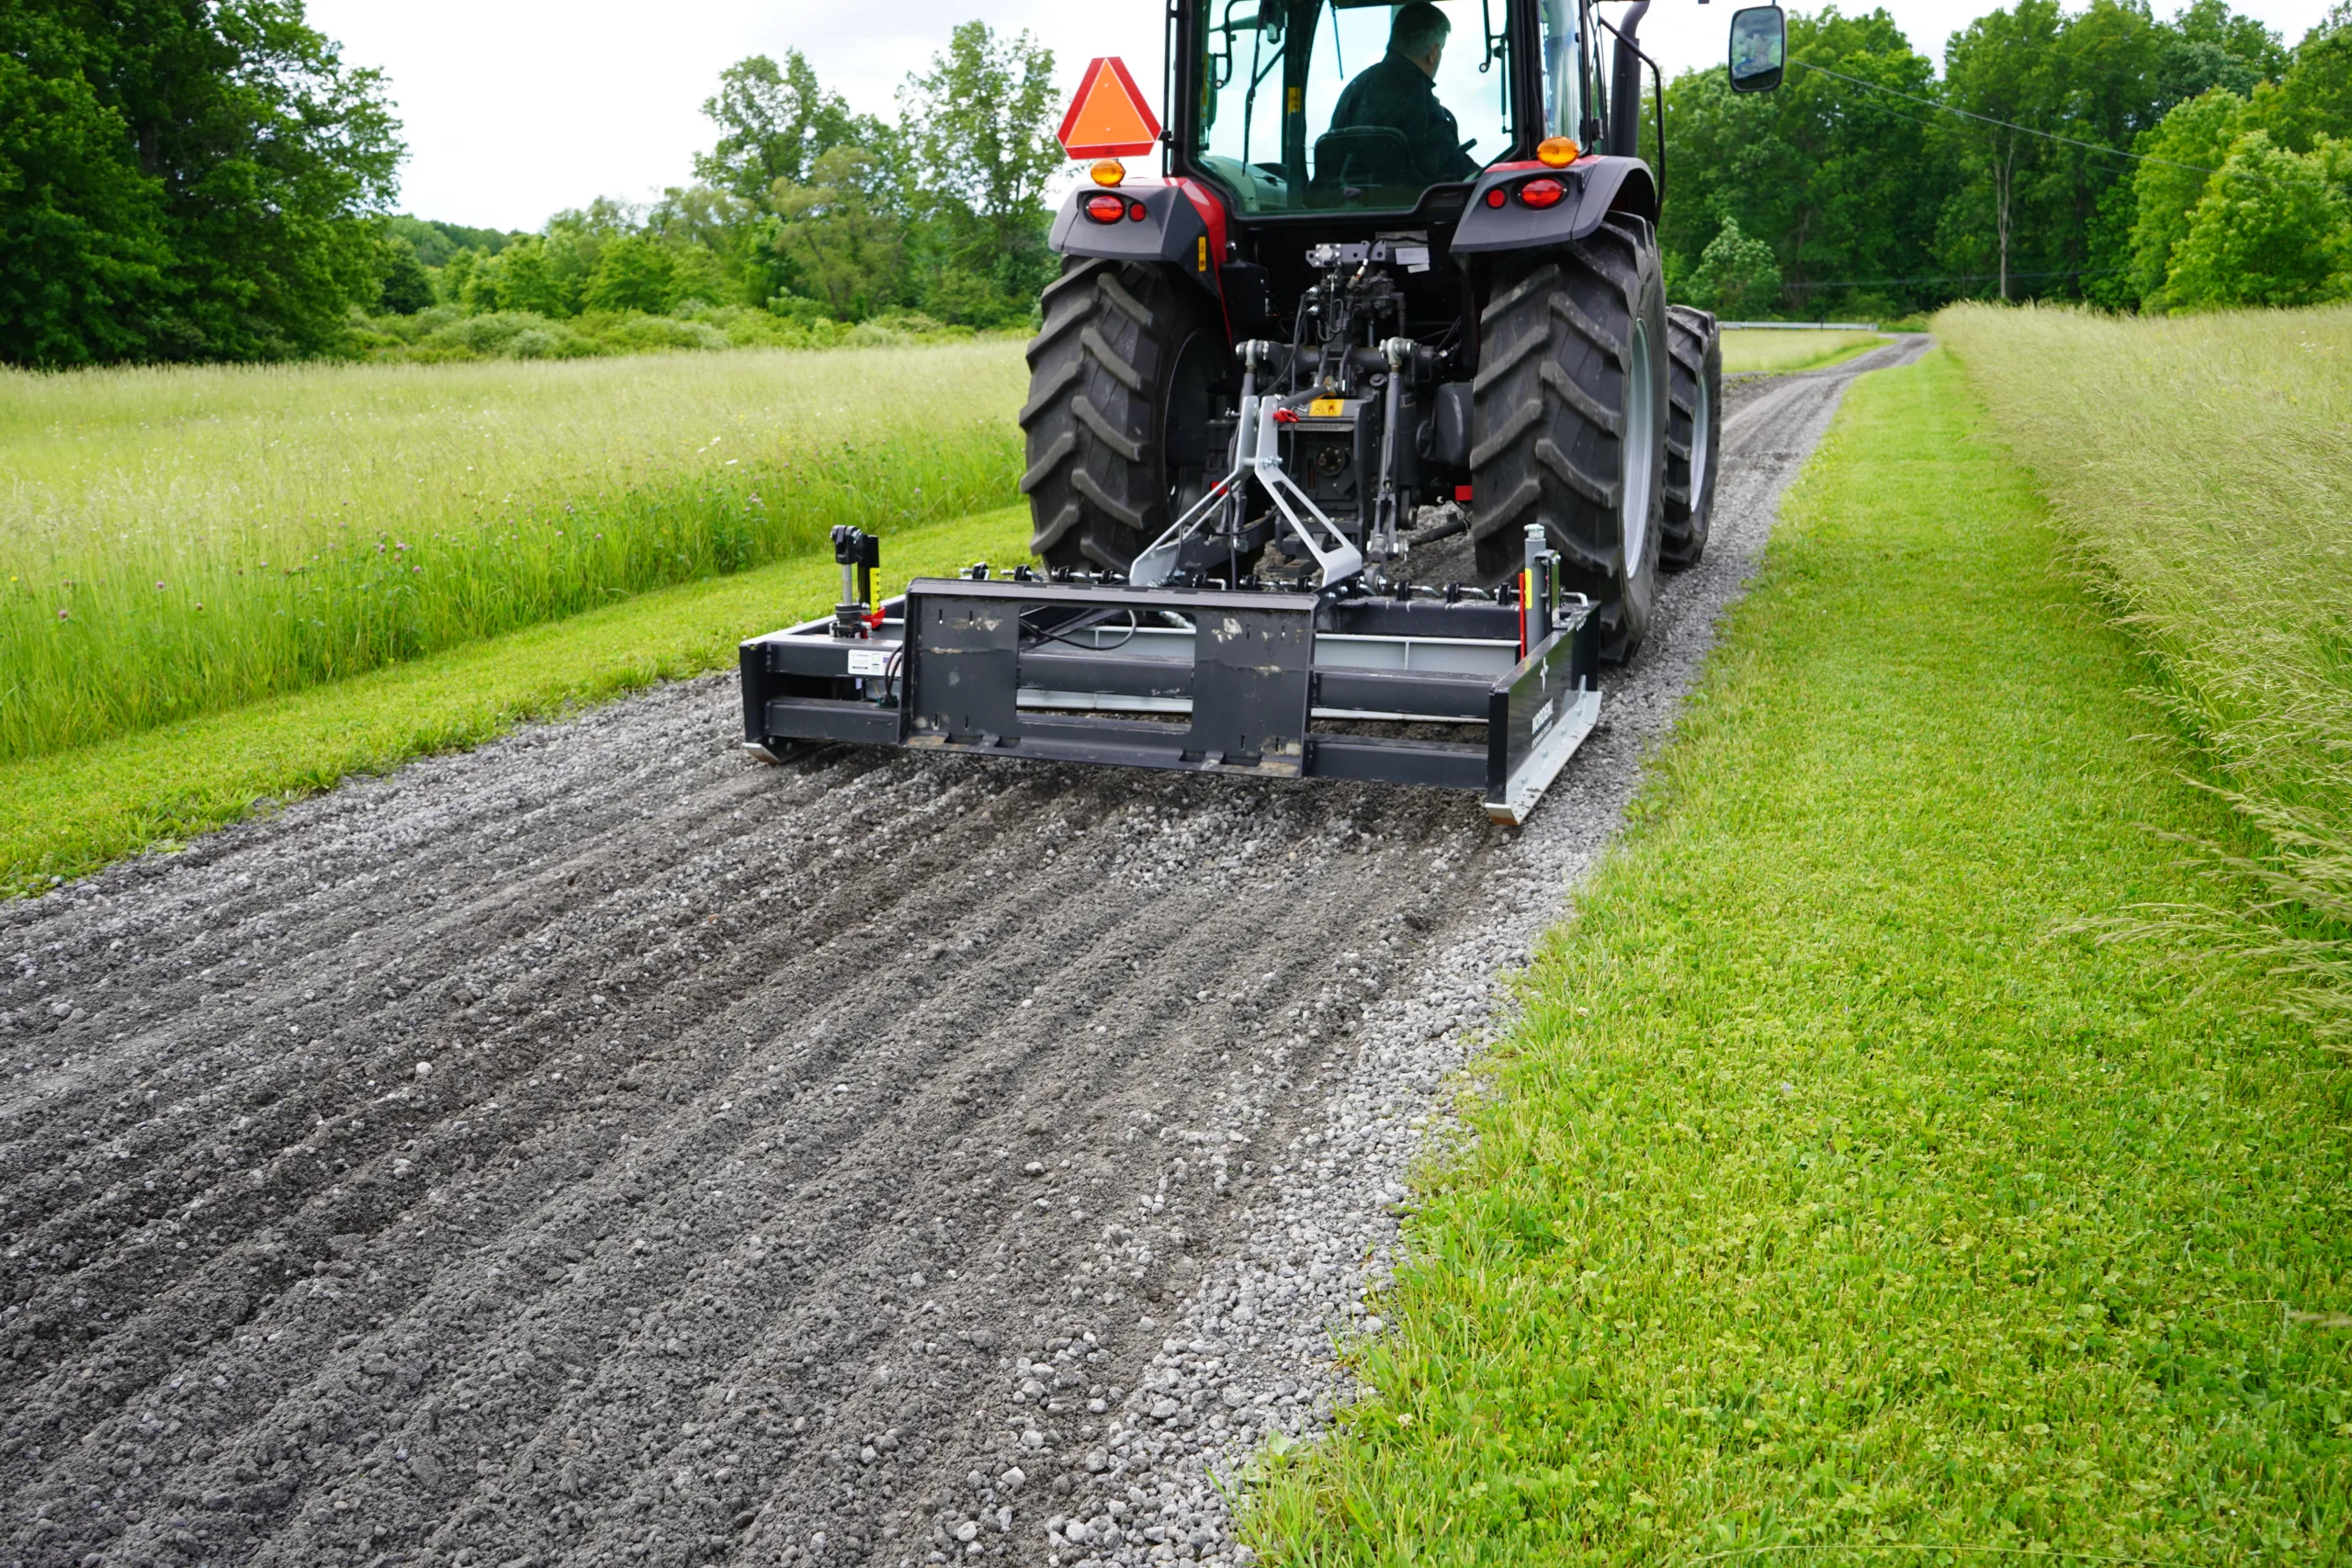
(1110, 171)
(1553, 151)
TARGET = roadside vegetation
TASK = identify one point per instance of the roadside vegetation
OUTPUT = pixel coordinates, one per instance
(1835, 1200)
(216, 184)
(70, 813)
(1761, 351)
(1880, 180)
(183, 540)
(2203, 469)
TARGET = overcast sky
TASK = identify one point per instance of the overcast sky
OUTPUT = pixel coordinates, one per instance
(518, 108)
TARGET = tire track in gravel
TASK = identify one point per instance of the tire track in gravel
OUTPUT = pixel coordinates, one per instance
(596, 1149)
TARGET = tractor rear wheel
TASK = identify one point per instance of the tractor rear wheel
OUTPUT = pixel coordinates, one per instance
(1569, 418)
(1124, 377)
(1694, 429)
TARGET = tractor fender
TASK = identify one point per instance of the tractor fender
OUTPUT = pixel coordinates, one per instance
(1174, 227)
(1597, 186)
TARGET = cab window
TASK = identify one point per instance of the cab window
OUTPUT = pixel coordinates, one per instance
(1273, 73)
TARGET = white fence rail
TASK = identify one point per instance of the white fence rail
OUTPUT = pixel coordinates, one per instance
(1801, 326)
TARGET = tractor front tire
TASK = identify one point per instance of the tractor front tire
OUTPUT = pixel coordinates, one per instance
(1569, 418)
(1122, 377)
(1694, 430)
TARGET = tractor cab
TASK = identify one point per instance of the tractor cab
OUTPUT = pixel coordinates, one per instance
(1302, 105)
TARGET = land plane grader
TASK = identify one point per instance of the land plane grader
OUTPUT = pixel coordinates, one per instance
(1334, 334)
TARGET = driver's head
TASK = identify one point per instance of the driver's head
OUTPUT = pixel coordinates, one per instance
(1419, 34)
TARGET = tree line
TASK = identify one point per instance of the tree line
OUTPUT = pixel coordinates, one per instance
(209, 180)
(804, 208)
(2101, 155)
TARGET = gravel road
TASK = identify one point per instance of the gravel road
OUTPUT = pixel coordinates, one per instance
(598, 1148)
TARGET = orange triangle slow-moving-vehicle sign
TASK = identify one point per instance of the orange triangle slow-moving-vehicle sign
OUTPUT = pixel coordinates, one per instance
(1109, 117)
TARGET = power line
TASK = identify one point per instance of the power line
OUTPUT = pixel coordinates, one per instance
(2009, 124)
(1955, 278)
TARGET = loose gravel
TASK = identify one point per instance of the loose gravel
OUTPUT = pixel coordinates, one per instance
(596, 1149)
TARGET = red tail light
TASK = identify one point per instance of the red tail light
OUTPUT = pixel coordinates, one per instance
(1496, 196)
(1542, 192)
(1106, 208)
(1137, 212)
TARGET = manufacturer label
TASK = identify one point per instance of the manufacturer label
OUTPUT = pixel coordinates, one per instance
(1542, 718)
(1328, 408)
(869, 660)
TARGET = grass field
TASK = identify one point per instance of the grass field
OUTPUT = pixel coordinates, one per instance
(69, 813)
(2202, 467)
(1833, 1204)
(181, 541)
(1761, 350)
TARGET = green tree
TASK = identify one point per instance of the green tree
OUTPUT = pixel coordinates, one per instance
(85, 252)
(401, 286)
(1736, 276)
(2272, 228)
(2178, 158)
(775, 122)
(979, 124)
(183, 179)
(838, 247)
(435, 242)
(522, 276)
(1844, 182)
(634, 272)
(2046, 202)
(2001, 72)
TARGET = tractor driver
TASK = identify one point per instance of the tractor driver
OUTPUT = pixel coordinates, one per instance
(1400, 93)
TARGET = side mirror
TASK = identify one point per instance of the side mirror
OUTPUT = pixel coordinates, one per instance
(1759, 47)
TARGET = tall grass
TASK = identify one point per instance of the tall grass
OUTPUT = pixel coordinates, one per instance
(177, 541)
(2204, 466)
(1764, 350)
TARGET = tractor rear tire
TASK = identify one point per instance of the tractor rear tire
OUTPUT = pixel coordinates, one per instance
(1122, 379)
(1569, 417)
(1694, 431)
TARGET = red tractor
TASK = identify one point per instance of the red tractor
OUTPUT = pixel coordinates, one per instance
(1398, 280)
(1547, 380)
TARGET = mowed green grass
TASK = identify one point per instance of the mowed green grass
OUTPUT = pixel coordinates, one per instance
(183, 540)
(1834, 1203)
(1762, 350)
(72, 812)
